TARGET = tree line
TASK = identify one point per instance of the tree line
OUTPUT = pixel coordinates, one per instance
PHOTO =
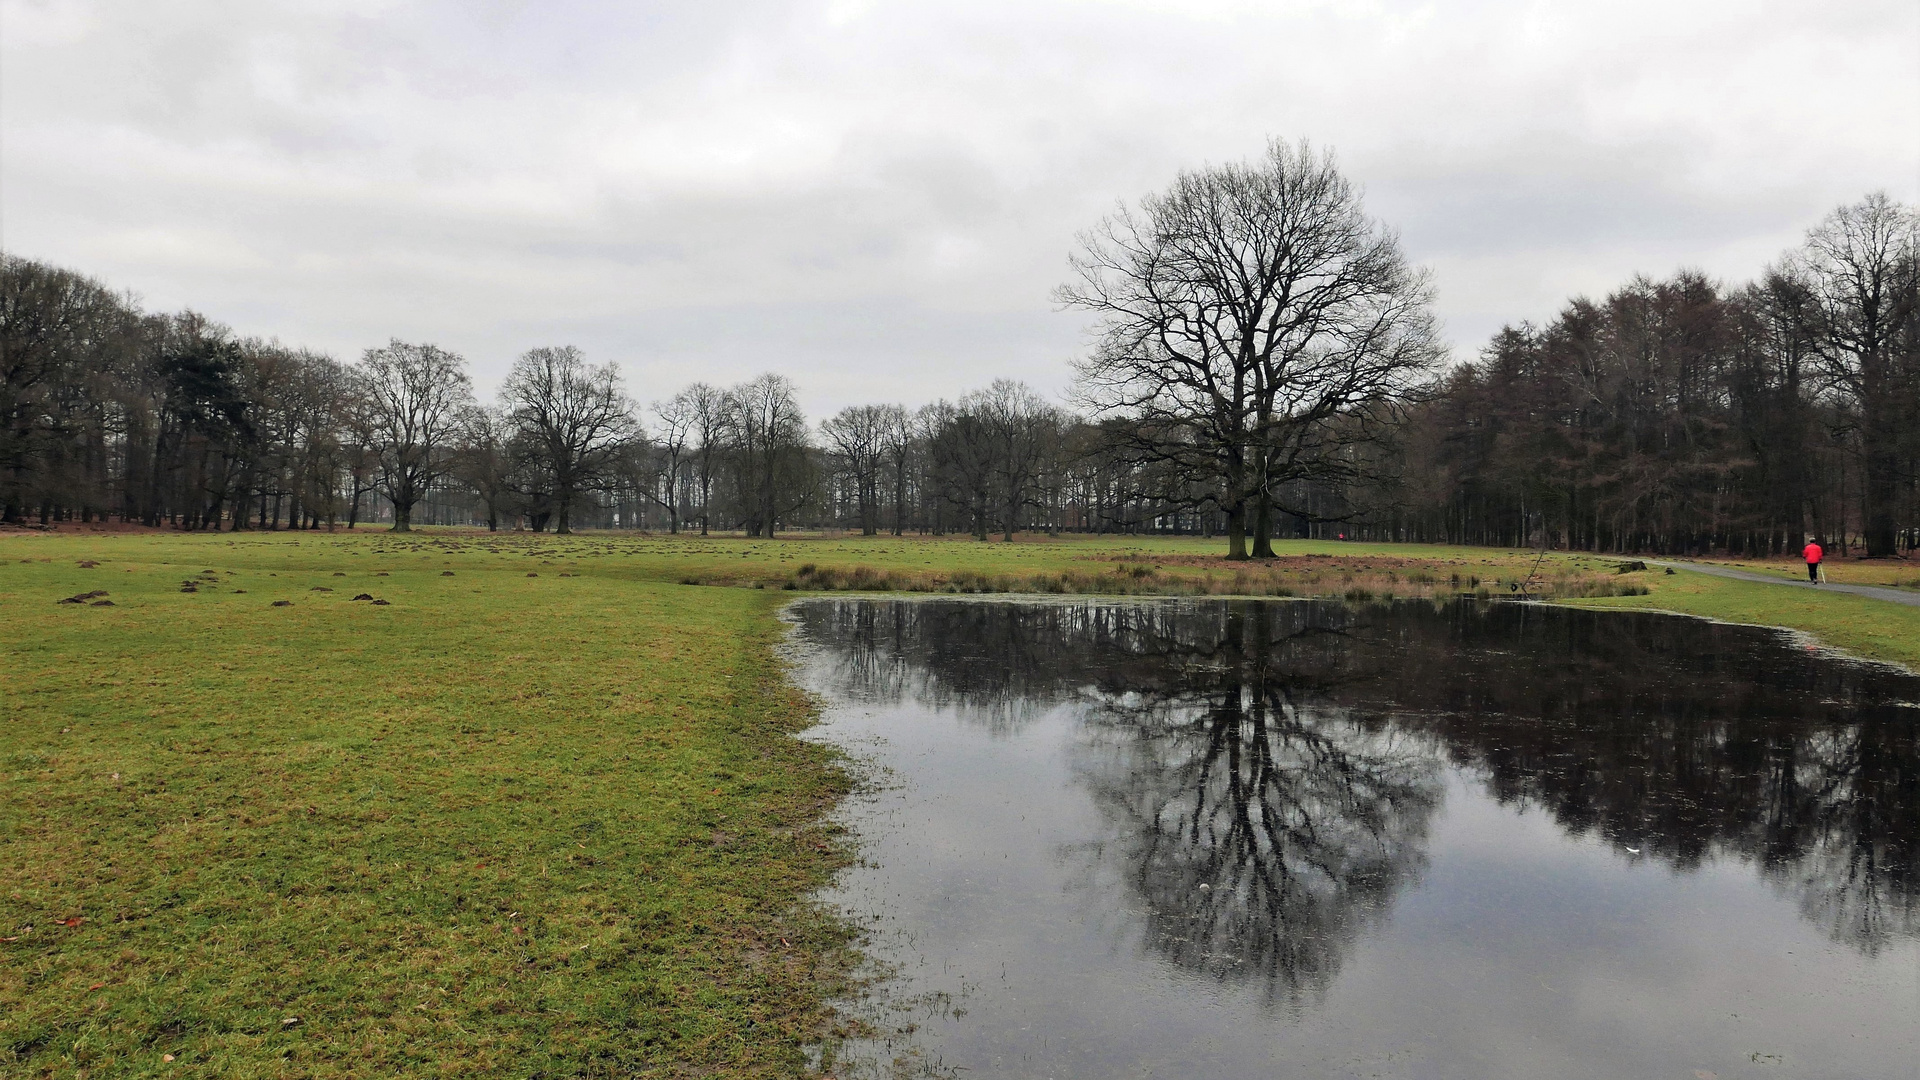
(1686, 415)
(1265, 364)
(1266, 342)
(113, 413)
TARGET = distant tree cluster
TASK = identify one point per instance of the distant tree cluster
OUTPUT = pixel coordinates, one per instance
(1267, 348)
(1266, 365)
(107, 410)
(112, 413)
(1687, 416)
(996, 461)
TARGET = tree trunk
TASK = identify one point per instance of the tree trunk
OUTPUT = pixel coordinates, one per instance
(1262, 526)
(899, 497)
(1237, 530)
(1879, 488)
(768, 507)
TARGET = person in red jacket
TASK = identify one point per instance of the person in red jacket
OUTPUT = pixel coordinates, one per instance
(1813, 554)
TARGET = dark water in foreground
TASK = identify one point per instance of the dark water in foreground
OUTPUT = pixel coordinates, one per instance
(1227, 839)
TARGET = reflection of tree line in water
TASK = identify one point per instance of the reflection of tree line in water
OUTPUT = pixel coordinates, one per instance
(1286, 754)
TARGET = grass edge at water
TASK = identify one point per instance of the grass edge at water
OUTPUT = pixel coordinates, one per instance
(590, 639)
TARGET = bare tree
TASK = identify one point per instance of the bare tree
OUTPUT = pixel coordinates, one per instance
(858, 436)
(56, 329)
(706, 407)
(315, 455)
(961, 461)
(485, 462)
(770, 447)
(1022, 431)
(1256, 323)
(1862, 265)
(574, 418)
(676, 420)
(926, 429)
(417, 395)
(898, 446)
(359, 445)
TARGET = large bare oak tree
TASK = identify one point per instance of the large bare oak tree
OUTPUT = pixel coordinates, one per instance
(859, 437)
(1254, 325)
(417, 397)
(772, 469)
(571, 419)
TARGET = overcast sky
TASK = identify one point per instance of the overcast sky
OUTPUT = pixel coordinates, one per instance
(876, 198)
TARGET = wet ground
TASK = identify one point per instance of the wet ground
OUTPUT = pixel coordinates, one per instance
(1275, 839)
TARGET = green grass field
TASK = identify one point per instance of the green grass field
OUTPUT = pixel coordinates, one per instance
(504, 825)
(541, 814)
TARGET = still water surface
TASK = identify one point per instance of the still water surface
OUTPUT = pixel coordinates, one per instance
(1227, 839)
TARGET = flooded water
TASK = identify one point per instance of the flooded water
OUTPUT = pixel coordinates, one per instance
(1299, 839)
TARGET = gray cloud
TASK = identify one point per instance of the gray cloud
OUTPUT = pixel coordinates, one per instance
(876, 198)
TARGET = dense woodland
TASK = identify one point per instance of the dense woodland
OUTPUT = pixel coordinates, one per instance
(1293, 386)
(1685, 415)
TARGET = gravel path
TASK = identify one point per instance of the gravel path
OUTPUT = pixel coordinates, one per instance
(1898, 596)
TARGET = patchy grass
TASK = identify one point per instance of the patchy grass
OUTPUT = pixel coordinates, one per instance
(1280, 577)
(1131, 567)
(540, 814)
(502, 825)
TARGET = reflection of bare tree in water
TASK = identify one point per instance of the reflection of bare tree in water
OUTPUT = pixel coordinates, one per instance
(1282, 753)
(995, 663)
(1854, 861)
(1261, 830)
(1215, 762)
